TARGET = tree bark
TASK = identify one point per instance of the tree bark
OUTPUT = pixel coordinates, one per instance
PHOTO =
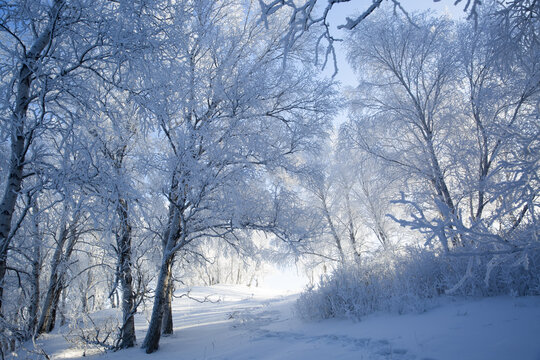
(33, 308)
(351, 229)
(333, 230)
(170, 238)
(151, 341)
(167, 323)
(54, 307)
(128, 338)
(54, 284)
(60, 258)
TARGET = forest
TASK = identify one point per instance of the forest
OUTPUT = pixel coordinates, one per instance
(147, 146)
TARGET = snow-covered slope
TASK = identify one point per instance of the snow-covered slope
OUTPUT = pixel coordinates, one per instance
(250, 323)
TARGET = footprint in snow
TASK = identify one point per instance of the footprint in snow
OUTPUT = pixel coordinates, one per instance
(247, 319)
(382, 348)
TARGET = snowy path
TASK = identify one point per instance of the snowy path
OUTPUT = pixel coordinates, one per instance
(258, 324)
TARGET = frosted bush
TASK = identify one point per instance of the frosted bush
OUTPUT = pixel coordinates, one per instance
(414, 281)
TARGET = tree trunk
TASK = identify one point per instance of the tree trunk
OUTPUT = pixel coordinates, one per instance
(54, 284)
(167, 323)
(333, 231)
(50, 305)
(151, 341)
(63, 308)
(15, 175)
(54, 307)
(33, 308)
(126, 279)
(170, 238)
(439, 183)
(351, 229)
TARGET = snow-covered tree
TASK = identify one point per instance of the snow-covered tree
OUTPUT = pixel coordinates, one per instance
(439, 105)
(405, 109)
(231, 120)
(50, 54)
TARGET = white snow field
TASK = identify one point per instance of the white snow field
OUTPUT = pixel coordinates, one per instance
(255, 323)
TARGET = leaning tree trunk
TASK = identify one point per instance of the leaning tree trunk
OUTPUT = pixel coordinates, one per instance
(54, 307)
(54, 284)
(59, 261)
(151, 341)
(170, 238)
(330, 222)
(20, 139)
(48, 312)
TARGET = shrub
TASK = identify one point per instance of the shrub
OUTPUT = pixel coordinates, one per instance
(413, 281)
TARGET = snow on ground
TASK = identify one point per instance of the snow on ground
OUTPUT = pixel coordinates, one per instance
(256, 323)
